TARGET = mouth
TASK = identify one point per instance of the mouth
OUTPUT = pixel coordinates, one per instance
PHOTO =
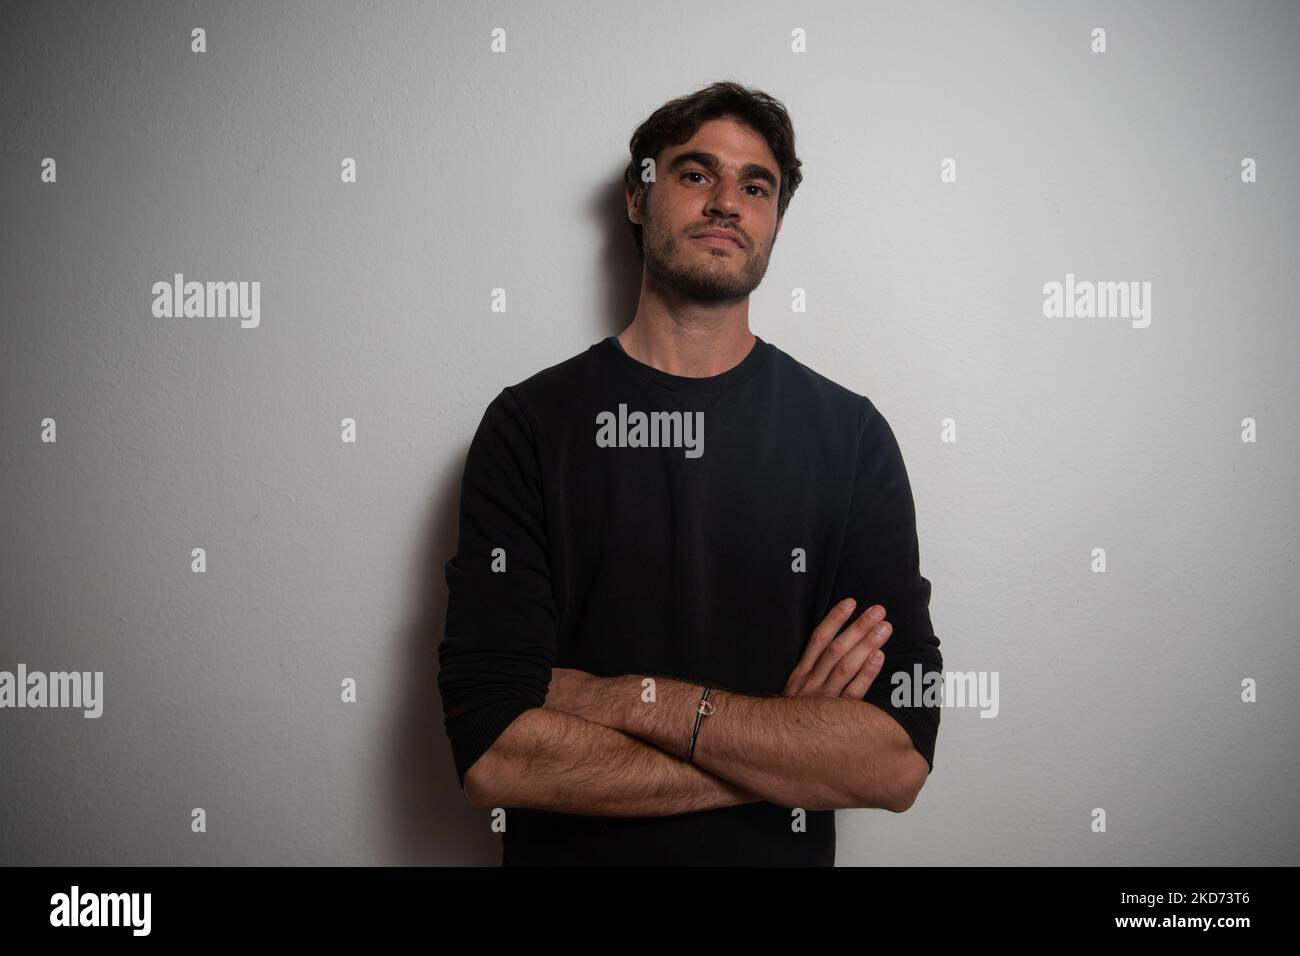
(719, 241)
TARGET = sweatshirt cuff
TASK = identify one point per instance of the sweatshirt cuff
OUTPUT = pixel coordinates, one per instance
(473, 733)
(920, 723)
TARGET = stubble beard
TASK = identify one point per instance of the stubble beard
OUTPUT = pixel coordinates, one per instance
(707, 278)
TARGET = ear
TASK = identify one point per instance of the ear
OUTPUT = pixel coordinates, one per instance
(635, 197)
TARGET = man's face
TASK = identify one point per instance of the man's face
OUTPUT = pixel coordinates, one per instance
(716, 180)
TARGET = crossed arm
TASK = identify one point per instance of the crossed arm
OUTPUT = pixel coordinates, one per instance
(591, 745)
(551, 760)
(617, 759)
(599, 746)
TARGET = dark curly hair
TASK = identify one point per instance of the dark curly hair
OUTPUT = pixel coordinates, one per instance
(678, 120)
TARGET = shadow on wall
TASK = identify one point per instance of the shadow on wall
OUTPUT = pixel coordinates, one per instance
(431, 822)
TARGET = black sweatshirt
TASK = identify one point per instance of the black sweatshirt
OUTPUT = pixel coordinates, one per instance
(704, 546)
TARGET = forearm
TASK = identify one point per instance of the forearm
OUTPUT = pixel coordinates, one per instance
(550, 760)
(817, 753)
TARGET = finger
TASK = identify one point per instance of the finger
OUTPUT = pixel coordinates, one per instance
(848, 667)
(821, 636)
(858, 687)
(845, 642)
(845, 670)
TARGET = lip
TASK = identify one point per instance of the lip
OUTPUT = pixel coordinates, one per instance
(719, 239)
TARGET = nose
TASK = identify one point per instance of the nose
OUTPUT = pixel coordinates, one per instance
(724, 201)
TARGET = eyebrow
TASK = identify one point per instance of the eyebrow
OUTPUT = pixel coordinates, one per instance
(710, 161)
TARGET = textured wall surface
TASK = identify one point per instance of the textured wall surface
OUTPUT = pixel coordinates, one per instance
(1168, 159)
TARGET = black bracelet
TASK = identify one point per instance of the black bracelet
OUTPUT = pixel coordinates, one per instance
(702, 710)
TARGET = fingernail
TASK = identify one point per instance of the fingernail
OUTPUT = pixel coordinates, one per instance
(846, 604)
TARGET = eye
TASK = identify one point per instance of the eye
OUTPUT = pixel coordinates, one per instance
(762, 190)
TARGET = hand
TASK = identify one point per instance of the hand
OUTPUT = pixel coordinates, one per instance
(569, 690)
(844, 665)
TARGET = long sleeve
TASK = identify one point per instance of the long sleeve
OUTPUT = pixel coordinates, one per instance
(880, 564)
(497, 651)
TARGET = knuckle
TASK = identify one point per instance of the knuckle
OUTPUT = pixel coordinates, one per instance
(844, 668)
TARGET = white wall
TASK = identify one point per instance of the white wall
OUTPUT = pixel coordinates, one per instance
(478, 170)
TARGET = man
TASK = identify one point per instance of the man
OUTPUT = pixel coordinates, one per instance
(643, 659)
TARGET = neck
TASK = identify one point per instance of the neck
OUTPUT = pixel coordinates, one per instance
(695, 344)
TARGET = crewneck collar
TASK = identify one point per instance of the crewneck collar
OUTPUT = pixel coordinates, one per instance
(758, 357)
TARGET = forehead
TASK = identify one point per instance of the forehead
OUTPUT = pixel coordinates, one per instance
(733, 142)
